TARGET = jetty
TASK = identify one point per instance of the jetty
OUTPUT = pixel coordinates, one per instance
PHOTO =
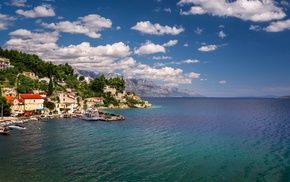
(103, 116)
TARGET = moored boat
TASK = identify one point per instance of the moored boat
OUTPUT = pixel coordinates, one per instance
(17, 126)
(4, 130)
(90, 115)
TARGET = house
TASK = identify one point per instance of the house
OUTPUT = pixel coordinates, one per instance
(32, 102)
(91, 102)
(17, 105)
(4, 63)
(108, 89)
(31, 75)
(135, 97)
(45, 80)
(66, 101)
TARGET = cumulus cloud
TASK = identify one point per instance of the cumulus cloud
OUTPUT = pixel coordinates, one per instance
(195, 10)
(36, 43)
(156, 29)
(170, 43)
(5, 21)
(89, 25)
(278, 26)
(208, 48)
(44, 45)
(168, 75)
(39, 11)
(150, 48)
(103, 58)
(257, 11)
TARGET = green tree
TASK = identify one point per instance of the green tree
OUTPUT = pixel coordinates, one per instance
(49, 105)
(81, 78)
(25, 84)
(6, 106)
(43, 85)
(117, 83)
(50, 87)
(98, 84)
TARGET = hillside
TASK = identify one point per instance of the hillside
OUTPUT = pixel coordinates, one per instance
(145, 88)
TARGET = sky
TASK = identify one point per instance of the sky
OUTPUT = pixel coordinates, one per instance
(218, 48)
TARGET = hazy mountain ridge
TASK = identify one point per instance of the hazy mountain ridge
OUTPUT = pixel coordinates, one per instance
(144, 87)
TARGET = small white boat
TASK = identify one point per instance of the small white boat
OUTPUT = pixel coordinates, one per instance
(18, 127)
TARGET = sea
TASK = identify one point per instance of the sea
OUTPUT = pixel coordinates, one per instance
(178, 139)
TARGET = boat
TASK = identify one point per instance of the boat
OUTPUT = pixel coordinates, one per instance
(90, 115)
(17, 126)
(4, 130)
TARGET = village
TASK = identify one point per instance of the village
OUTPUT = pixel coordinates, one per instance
(64, 103)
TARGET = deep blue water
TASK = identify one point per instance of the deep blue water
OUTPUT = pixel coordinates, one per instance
(179, 139)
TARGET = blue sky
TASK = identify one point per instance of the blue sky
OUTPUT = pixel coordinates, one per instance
(221, 48)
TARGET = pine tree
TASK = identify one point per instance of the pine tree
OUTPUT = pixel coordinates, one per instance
(50, 85)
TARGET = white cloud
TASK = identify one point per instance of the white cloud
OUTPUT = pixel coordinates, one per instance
(193, 75)
(255, 28)
(254, 10)
(18, 3)
(185, 45)
(82, 55)
(39, 11)
(103, 58)
(195, 10)
(5, 21)
(89, 25)
(167, 10)
(208, 48)
(35, 43)
(156, 29)
(150, 48)
(223, 82)
(168, 75)
(170, 43)
(161, 57)
(190, 61)
(285, 3)
(198, 31)
(278, 26)
(222, 34)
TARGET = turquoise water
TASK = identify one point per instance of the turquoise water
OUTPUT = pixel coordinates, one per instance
(179, 139)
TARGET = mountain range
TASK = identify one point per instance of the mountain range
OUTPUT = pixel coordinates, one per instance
(144, 88)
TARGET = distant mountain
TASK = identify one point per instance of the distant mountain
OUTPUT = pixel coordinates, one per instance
(144, 87)
(147, 88)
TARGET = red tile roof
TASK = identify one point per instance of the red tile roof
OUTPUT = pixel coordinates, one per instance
(31, 96)
(20, 101)
(9, 99)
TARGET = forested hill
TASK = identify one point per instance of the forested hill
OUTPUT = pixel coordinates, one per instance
(61, 77)
(31, 62)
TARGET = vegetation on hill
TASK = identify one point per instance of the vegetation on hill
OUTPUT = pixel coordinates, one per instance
(60, 77)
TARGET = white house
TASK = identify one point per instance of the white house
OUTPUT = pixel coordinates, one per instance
(67, 102)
